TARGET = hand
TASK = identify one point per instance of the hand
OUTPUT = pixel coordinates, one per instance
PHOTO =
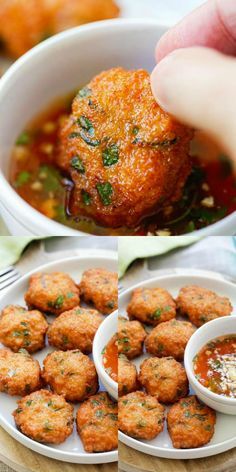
(195, 79)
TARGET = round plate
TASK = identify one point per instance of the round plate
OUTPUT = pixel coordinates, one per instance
(72, 449)
(224, 437)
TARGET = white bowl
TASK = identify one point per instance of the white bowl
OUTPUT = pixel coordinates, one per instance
(209, 331)
(54, 68)
(103, 335)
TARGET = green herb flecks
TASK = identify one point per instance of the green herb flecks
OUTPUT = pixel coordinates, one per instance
(23, 139)
(105, 192)
(86, 198)
(84, 92)
(88, 140)
(77, 164)
(57, 304)
(22, 178)
(110, 155)
(86, 124)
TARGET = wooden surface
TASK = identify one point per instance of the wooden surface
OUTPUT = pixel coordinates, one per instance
(131, 460)
(23, 459)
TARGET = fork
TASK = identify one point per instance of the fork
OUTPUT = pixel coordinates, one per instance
(8, 276)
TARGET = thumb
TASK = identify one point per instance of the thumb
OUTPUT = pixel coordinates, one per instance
(197, 86)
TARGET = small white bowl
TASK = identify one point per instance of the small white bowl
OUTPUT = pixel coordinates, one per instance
(103, 335)
(208, 332)
(54, 68)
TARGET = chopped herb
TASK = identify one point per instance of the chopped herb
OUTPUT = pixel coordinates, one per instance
(85, 92)
(95, 402)
(23, 139)
(51, 178)
(104, 350)
(110, 155)
(187, 414)
(26, 332)
(86, 124)
(190, 227)
(22, 178)
(208, 427)
(141, 424)
(65, 339)
(156, 314)
(48, 426)
(16, 334)
(105, 192)
(23, 351)
(74, 135)
(78, 312)
(28, 403)
(57, 304)
(69, 295)
(135, 130)
(88, 140)
(23, 323)
(86, 197)
(110, 304)
(113, 416)
(19, 410)
(77, 164)
(99, 413)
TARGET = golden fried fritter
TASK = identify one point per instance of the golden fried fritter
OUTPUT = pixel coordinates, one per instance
(126, 156)
(44, 417)
(164, 378)
(151, 305)
(24, 23)
(140, 416)
(19, 373)
(20, 328)
(202, 305)
(75, 329)
(190, 423)
(97, 423)
(131, 336)
(169, 339)
(127, 376)
(54, 293)
(100, 286)
(71, 374)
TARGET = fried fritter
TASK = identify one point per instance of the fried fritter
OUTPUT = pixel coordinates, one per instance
(126, 156)
(131, 336)
(54, 293)
(20, 374)
(71, 374)
(202, 305)
(169, 339)
(190, 423)
(97, 423)
(140, 416)
(44, 417)
(164, 378)
(100, 286)
(151, 305)
(127, 376)
(20, 328)
(75, 329)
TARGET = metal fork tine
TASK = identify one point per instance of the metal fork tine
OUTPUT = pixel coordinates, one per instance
(6, 270)
(15, 276)
(7, 276)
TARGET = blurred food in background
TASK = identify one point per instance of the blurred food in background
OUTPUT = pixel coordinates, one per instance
(23, 24)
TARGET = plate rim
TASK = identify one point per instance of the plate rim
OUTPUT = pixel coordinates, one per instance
(48, 451)
(172, 453)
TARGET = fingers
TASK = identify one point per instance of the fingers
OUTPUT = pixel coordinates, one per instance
(212, 25)
(197, 86)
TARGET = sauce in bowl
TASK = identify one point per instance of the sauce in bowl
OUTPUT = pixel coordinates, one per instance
(215, 366)
(110, 358)
(209, 193)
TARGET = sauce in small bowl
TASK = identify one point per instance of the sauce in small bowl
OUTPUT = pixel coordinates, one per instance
(110, 358)
(215, 365)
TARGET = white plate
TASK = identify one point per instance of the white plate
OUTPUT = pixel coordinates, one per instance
(225, 431)
(72, 449)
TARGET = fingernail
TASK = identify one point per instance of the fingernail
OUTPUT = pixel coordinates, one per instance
(161, 81)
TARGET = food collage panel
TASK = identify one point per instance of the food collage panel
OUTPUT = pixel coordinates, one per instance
(117, 235)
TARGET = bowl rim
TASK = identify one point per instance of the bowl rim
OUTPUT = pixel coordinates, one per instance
(26, 214)
(188, 360)
(97, 356)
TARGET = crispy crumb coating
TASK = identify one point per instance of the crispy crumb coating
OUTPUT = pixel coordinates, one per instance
(169, 339)
(190, 423)
(202, 305)
(20, 374)
(125, 155)
(100, 286)
(97, 423)
(164, 378)
(44, 417)
(71, 374)
(54, 293)
(131, 336)
(75, 329)
(141, 416)
(127, 376)
(20, 328)
(151, 305)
